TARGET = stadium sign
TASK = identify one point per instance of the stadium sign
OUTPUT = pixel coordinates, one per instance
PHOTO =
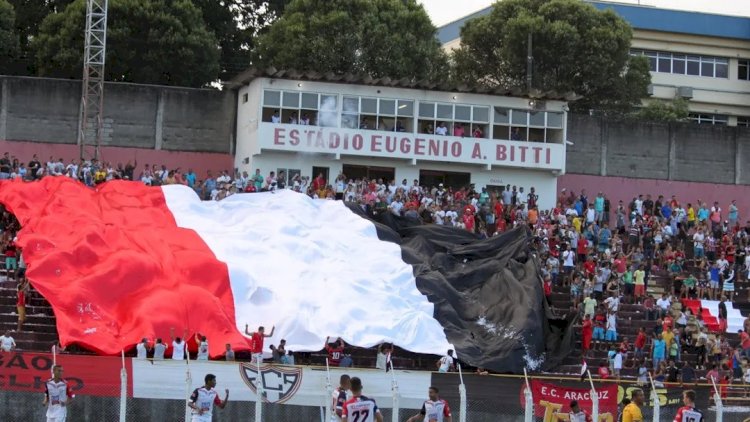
(423, 147)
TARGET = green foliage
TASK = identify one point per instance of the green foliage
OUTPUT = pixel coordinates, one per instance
(236, 23)
(676, 110)
(576, 48)
(382, 38)
(8, 37)
(148, 41)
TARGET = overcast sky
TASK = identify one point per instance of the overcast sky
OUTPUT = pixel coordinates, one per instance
(445, 11)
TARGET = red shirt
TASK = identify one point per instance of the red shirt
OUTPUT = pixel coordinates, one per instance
(257, 343)
(587, 329)
(745, 340)
(335, 354)
(589, 267)
(603, 372)
(21, 298)
(583, 244)
(640, 341)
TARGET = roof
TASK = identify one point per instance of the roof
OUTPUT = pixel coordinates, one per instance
(251, 74)
(644, 18)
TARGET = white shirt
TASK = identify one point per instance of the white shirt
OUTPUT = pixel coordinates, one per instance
(613, 303)
(141, 351)
(663, 303)
(612, 322)
(441, 130)
(722, 263)
(438, 216)
(57, 394)
(618, 361)
(203, 400)
(178, 350)
(159, 349)
(568, 259)
(7, 343)
(445, 363)
(577, 417)
(698, 239)
(203, 351)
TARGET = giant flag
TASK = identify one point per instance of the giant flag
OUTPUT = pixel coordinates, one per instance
(127, 261)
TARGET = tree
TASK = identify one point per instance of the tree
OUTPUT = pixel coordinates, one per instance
(576, 48)
(382, 38)
(8, 38)
(29, 15)
(676, 110)
(236, 23)
(148, 41)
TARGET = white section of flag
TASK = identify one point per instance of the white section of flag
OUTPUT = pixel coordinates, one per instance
(313, 269)
(735, 320)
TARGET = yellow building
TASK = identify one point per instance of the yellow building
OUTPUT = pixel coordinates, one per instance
(702, 57)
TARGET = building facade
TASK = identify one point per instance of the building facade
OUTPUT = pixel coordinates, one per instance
(303, 127)
(704, 58)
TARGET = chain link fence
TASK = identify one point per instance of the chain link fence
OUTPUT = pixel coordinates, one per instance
(102, 401)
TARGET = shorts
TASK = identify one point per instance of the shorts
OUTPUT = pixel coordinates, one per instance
(728, 287)
(611, 335)
(21, 312)
(201, 418)
(714, 284)
(56, 419)
(699, 253)
(11, 263)
(629, 289)
(640, 289)
(598, 333)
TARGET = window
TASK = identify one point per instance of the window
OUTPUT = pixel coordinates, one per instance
(244, 98)
(681, 64)
(743, 121)
(708, 119)
(743, 70)
(290, 107)
(461, 120)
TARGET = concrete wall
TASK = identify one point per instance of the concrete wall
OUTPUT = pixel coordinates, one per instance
(659, 151)
(143, 116)
(201, 162)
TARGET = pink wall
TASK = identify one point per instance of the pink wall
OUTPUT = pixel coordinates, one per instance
(621, 188)
(198, 161)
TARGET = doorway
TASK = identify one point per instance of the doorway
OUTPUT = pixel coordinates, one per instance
(455, 180)
(369, 172)
(318, 170)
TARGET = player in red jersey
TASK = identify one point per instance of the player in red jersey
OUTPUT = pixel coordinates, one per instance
(433, 410)
(360, 408)
(335, 352)
(688, 412)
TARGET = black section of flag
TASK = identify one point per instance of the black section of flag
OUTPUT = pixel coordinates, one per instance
(488, 294)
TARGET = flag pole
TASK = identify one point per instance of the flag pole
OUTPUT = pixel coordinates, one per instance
(718, 402)
(329, 395)
(188, 383)
(655, 398)
(594, 399)
(462, 396)
(529, 398)
(394, 390)
(123, 390)
(260, 391)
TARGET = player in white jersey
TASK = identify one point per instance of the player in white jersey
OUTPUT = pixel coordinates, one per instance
(203, 400)
(688, 413)
(57, 396)
(360, 408)
(433, 410)
(340, 397)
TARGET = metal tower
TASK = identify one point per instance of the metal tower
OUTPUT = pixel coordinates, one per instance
(92, 98)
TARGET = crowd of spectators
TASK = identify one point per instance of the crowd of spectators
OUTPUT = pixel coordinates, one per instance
(603, 253)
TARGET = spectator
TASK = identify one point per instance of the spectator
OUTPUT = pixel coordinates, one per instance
(258, 338)
(335, 351)
(229, 353)
(7, 343)
(447, 363)
(202, 347)
(142, 349)
(178, 345)
(159, 349)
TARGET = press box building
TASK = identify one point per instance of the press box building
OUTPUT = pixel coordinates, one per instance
(310, 124)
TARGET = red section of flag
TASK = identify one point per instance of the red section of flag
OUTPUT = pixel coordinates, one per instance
(29, 371)
(116, 268)
(549, 398)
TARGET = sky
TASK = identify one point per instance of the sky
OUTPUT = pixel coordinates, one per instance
(445, 11)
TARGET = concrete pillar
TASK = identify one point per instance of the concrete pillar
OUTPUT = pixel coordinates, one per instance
(737, 158)
(159, 124)
(4, 94)
(604, 136)
(672, 153)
